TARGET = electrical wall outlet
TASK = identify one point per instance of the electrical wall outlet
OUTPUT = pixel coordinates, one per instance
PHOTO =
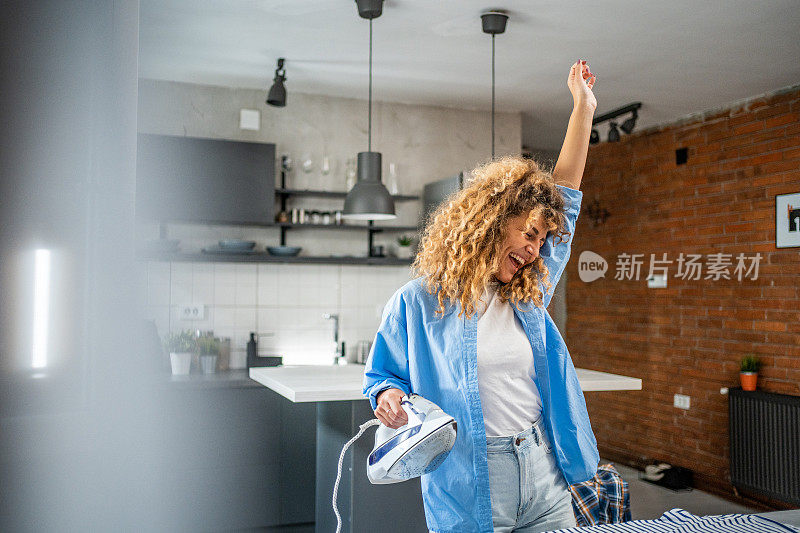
(681, 401)
(657, 281)
(192, 311)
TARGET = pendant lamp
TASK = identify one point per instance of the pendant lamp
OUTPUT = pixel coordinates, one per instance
(369, 199)
(493, 23)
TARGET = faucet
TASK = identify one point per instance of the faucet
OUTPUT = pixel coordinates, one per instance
(339, 347)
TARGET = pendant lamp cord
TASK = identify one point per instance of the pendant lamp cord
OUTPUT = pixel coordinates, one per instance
(369, 126)
(492, 94)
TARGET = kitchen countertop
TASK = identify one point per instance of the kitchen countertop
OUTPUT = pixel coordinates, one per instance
(225, 379)
(330, 383)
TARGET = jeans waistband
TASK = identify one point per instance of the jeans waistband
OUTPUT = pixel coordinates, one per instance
(534, 435)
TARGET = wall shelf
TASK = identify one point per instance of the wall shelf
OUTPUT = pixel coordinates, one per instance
(334, 194)
(263, 257)
(374, 229)
(283, 193)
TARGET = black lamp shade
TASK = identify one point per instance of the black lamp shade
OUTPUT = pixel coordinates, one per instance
(277, 93)
(613, 133)
(628, 125)
(369, 199)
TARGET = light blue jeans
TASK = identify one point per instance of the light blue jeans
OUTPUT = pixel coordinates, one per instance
(528, 491)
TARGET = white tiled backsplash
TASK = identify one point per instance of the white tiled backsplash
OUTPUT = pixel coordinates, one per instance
(283, 303)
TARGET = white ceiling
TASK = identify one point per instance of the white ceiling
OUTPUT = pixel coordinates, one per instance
(676, 57)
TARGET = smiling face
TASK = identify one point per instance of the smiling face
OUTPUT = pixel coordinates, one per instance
(521, 245)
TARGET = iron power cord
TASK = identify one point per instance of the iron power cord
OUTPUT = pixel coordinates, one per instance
(362, 428)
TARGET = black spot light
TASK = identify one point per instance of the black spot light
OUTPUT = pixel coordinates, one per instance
(613, 133)
(629, 124)
(277, 93)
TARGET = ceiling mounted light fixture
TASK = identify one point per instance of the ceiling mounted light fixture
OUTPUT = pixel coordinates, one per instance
(369, 199)
(613, 132)
(277, 93)
(493, 23)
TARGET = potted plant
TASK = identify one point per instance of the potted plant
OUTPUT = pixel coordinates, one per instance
(209, 354)
(180, 347)
(748, 372)
(404, 249)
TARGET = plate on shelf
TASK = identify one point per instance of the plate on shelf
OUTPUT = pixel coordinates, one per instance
(218, 250)
(284, 251)
(236, 244)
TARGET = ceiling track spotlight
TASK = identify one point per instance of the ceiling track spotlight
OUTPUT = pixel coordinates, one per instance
(613, 133)
(494, 23)
(629, 124)
(277, 93)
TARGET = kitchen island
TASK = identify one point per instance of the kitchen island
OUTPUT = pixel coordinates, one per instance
(341, 409)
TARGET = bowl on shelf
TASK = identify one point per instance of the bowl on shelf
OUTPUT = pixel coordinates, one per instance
(236, 244)
(284, 251)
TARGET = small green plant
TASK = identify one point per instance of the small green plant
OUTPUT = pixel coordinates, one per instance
(208, 346)
(750, 363)
(404, 240)
(180, 342)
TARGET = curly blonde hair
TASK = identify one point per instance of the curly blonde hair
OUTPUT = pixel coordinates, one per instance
(462, 240)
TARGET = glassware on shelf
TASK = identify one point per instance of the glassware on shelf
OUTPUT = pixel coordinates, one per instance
(391, 179)
(286, 169)
(350, 174)
(286, 163)
(307, 163)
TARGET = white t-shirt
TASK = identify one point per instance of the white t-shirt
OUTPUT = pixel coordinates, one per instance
(509, 397)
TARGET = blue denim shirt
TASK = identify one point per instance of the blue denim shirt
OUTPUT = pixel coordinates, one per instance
(436, 357)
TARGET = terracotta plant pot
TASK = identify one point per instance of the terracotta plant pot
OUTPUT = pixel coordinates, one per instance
(748, 380)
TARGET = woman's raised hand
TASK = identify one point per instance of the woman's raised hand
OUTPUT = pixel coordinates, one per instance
(389, 410)
(580, 83)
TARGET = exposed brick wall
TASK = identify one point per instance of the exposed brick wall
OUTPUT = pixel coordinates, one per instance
(689, 337)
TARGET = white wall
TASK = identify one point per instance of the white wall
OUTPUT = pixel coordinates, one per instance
(287, 301)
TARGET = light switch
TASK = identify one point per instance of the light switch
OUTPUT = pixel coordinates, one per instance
(657, 281)
(681, 401)
(250, 119)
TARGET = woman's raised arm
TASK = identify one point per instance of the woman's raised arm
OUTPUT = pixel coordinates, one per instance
(572, 158)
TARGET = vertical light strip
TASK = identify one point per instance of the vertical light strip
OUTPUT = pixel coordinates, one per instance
(41, 308)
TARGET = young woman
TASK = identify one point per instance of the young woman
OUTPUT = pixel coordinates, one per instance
(472, 334)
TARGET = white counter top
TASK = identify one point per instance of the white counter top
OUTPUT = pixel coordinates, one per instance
(336, 383)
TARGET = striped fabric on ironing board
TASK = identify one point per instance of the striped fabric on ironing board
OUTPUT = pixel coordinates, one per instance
(679, 521)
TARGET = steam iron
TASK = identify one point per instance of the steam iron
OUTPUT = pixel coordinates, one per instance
(417, 448)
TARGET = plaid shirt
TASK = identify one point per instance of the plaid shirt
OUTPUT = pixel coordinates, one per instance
(604, 499)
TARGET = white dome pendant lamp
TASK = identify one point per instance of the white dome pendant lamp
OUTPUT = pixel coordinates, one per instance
(369, 199)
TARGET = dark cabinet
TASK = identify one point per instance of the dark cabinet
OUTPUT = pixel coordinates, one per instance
(186, 179)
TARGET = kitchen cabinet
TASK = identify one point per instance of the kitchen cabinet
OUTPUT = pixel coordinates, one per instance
(230, 458)
(209, 181)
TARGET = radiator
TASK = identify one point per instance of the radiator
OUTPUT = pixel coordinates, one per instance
(765, 443)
